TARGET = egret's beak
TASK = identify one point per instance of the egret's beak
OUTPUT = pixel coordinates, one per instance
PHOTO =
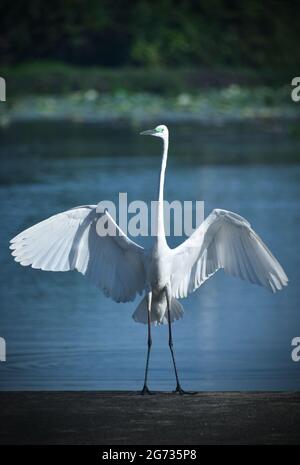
(150, 132)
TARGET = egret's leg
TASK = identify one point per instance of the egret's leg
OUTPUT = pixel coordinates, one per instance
(145, 389)
(178, 386)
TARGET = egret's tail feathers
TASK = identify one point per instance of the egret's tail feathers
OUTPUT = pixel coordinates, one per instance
(159, 314)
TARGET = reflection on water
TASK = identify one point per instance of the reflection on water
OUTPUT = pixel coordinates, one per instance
(62, 333)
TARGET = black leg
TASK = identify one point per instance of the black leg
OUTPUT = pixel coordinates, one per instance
(145, 389)
(178, 386)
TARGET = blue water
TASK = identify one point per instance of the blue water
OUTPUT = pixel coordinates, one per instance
(62, 333)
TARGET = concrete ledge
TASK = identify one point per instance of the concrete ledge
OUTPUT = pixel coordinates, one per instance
(121, 418)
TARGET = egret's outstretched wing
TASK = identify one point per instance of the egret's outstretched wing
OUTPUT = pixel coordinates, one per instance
(69, 241)
(224, 240)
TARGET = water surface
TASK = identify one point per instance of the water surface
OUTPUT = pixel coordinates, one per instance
(62, 333)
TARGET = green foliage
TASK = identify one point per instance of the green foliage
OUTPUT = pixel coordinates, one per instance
(56, 78)
(212, 106)
(168, 33)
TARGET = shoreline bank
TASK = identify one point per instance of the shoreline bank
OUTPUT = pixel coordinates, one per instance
(163, 418)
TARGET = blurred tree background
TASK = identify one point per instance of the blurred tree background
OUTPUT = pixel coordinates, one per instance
(166, 48)
(232, 33)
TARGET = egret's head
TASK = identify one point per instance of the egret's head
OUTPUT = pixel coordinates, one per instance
(159, 131)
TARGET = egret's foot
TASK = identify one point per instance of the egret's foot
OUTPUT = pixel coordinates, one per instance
(181, 392)
(145, 390)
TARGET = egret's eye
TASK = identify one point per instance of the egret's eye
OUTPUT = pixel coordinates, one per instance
(159, 129)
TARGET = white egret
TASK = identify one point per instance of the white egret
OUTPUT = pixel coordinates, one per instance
(123, 269)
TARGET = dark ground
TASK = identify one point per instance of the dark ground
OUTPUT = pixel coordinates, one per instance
(109, 418)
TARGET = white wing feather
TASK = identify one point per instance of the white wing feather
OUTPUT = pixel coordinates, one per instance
(69, 241)
(224, 240)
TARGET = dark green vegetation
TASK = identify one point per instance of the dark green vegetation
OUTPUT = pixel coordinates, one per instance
(60, 78)
(209, 60)
(211, 33)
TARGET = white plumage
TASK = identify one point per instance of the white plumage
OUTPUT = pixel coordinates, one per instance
(69, 241)
(224, 240)
(123, 269)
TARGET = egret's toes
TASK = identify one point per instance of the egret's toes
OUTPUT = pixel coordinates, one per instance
(181, 392)
(145, 390)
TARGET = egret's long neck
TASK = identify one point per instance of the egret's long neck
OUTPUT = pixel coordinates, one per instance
(160, 213)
